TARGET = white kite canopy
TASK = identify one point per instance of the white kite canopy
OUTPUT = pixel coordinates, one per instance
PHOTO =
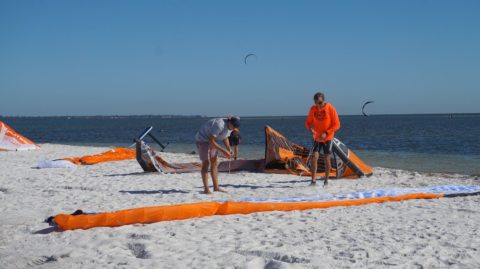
(11, 140)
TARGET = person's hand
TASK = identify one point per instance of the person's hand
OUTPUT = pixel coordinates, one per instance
(323, 135)
(313, 133)
(227, 154)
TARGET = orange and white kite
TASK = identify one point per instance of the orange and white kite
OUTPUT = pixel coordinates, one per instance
(11, 140)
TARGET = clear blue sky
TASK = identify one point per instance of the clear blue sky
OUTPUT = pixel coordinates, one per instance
(186, 57)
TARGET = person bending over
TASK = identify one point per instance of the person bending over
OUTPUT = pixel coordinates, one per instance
(207, 139)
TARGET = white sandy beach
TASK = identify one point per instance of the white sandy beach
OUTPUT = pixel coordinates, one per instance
(439, 233)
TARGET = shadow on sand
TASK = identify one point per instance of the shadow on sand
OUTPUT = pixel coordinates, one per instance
(293, 181)
(155, 192)
(253, 187)
(48, 230)
(130, 174)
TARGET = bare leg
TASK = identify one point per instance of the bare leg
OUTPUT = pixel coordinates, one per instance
(214, 171)
(205, 165)
(313, 167)
(235, 152)
(328, 167)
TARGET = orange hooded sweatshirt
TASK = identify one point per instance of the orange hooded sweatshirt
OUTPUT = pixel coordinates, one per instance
(323, 120)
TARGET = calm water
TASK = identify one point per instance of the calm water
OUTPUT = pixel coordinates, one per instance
(429, 143)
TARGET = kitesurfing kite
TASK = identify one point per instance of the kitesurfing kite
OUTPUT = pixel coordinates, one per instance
(363, 108)
(11, 140)
(250, 55)
(86, 220)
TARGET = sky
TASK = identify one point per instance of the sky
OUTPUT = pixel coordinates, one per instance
(187, 57)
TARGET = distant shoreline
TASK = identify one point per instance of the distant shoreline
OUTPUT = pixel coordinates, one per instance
(244, 117)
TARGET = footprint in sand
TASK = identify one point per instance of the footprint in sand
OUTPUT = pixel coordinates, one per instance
(75, 188)
(139, 251)
(273, 256)
(47, 259)
(139, 236)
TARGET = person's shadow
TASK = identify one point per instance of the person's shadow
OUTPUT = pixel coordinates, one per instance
(253, 187)
(129, 174)
(170, 191)
(293, 181)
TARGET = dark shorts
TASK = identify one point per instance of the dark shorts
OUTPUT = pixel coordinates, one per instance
(325, 146)
(234, 139)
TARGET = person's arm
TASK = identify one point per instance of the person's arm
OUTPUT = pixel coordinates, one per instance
(335, 121)
(215, 145)
(226, 142)
(309, 121)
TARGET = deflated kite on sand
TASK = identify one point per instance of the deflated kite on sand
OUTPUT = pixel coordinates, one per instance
(11, 140)
(81, 220)
(115, 154)
(281, 157)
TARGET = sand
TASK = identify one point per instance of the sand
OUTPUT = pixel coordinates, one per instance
(437, 233)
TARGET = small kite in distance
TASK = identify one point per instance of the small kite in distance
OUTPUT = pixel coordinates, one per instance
(363, 108)
(250, 55)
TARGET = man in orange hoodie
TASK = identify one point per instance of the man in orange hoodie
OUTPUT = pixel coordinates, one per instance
(322, 122)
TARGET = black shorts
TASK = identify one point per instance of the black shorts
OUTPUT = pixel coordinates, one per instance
(326, 146)
(234, 139)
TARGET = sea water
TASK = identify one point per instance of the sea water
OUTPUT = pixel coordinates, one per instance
(443, 143)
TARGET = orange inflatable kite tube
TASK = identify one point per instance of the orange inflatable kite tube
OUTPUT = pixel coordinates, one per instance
(136, 215)
(229, 208)
(205, 209)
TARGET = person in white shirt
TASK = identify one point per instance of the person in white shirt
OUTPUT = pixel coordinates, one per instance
(206, 139)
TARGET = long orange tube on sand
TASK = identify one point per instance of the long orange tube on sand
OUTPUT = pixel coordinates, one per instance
(205, 209)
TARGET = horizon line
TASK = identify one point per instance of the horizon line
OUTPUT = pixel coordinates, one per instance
(223, 116)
